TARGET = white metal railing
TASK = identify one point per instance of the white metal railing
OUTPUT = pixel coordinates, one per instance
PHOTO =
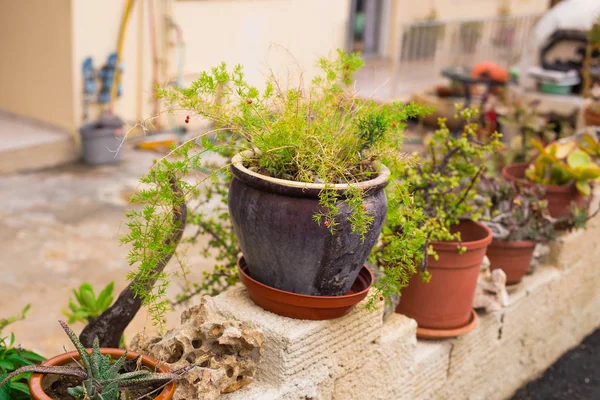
(429, 46)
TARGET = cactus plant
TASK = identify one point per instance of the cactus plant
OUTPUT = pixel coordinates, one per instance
(101, 378)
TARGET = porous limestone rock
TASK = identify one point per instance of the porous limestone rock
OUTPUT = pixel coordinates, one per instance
(225, 353)
(491, 293)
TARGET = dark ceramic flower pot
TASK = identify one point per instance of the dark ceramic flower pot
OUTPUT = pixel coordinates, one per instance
(512, 256)
(303, 306)
(446, 301)
(559, 197)
(37, 382)
(282, 244)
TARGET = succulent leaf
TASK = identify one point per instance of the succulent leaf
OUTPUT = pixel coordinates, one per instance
(85, 357)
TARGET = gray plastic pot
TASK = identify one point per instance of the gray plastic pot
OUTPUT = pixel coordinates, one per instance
(101, 139)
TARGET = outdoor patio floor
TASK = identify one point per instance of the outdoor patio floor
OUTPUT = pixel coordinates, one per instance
(61, 227)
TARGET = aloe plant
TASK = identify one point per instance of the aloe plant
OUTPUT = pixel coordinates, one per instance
(102, 379)
(562, 163)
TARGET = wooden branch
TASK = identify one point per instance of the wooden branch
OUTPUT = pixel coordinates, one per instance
(110, 325)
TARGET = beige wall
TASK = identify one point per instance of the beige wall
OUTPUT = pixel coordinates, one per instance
(237, 31)
(36, 68)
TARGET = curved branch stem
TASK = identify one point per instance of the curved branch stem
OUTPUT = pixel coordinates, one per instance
(110, 325)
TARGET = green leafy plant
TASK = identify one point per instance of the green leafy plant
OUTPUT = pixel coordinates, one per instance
(443, 185)
(516, 212)
(102, 378)
(12, 358)
(427, 197)
(86, 305)
(564, 163)
(322, 133)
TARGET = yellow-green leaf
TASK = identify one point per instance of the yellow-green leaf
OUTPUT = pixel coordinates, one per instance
(578, 158)
(583, 187)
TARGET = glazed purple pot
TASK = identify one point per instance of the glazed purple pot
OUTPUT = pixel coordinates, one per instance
(284, 247)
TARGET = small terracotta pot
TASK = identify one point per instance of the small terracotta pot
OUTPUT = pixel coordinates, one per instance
(36, 381)
(302, 306)
(559, 197)
(446, 301)
(590, 117)
(512, 256)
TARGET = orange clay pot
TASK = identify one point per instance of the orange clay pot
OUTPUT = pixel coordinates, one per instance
(512, 256)
(559, 197)
(36, 383)
(446, 301)
(590, 117)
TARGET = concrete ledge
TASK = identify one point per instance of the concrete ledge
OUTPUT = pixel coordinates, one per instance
(27, 145)
(359, 356)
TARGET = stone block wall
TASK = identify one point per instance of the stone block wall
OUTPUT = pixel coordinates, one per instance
(360, 356)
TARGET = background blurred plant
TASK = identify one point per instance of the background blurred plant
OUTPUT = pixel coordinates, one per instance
(566, 162)
(12, 358)
(520, 123)
(515, 212)
(87, 306)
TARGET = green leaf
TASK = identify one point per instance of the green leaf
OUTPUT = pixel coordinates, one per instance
(578, 158)
(6, 365)
(583, 187)
(105, 298)
(4, 390)
(89, 300)
(19, 386)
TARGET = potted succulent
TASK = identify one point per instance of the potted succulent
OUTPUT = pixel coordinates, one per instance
(307, 198)
(519, 221)
(99, 374)
(566, 169)
(443, 185)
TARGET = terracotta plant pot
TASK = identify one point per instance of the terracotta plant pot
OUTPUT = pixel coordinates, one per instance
(446, 302)
(282, 244)
(559, 197)
(36, 383)
(302, 306)
(512, 256)
(590, 117)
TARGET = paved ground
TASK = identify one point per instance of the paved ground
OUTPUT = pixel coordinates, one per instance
(59, 228)
(575, 376)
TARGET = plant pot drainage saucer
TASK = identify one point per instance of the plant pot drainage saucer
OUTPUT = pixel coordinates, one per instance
(427, 333)
(302, 306)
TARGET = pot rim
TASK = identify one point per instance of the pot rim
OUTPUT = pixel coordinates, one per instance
(513, 243)
(238, 162)
(567, 188)
(470, 245)
(35, 383)
(308, 300)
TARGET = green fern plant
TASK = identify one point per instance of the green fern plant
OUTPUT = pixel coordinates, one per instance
(101, 378)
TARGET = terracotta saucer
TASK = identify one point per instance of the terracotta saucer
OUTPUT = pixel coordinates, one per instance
(303, 306)
(426, 333)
